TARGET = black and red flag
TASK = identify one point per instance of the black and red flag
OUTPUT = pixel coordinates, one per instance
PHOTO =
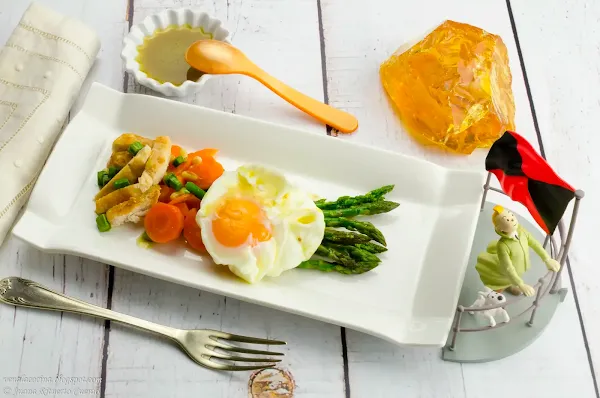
(526, 178)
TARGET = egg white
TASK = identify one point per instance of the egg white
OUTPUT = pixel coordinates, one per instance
(297, 224)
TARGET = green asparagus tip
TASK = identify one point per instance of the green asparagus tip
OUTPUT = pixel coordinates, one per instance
(172, 181)
(112, 171)
(364, 227)
(178, 161)
(371, 247)
(135, 148)
(367, 209)
(100, 178)
(339, 256)
(344, 237)
(195, 190)
(102, 223)
(121, 183)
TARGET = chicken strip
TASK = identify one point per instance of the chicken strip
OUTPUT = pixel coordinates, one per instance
(119, 159)
(157, 164)
(124, 140)
(134, 208)
(132, 171)
(117, 197)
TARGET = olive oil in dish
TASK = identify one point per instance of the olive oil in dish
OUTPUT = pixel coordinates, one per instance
(162, 55)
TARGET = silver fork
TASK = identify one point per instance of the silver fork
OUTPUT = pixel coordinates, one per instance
(203, 345)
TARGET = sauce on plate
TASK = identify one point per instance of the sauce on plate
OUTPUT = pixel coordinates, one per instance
(162, 55)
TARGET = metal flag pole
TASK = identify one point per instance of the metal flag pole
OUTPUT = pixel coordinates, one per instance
(486, 188)
(564, 250)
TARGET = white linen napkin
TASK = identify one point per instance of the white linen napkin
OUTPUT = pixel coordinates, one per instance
(42, 67)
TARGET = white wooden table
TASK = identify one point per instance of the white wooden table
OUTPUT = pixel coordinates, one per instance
(331, 50)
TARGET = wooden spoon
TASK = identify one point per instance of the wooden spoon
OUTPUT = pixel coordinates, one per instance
(219, 58)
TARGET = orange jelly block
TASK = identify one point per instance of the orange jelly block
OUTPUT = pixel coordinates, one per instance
(453, 88)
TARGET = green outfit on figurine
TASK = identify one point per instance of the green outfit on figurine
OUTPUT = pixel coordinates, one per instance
(503, 263)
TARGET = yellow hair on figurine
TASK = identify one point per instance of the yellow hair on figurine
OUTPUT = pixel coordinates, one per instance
(497, 210)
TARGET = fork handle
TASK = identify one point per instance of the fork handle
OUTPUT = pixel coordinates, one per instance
(26, 293)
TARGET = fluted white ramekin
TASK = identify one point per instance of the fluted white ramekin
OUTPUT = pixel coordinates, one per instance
(181, 16)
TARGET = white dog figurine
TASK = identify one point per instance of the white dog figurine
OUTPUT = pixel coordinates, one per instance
(487, 299)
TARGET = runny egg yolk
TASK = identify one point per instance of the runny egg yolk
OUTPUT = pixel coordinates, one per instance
(238, 221)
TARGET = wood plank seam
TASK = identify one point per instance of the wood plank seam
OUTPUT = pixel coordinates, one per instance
(111, 269)
(129, 18)
(583, 331)
(106, 340)
(323, 57)
(326, 100)
(542, 152)
(346, 364)
(526, 80)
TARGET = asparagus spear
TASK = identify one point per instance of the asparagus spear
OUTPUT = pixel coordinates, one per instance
(378, 207)
(329, 267)
(336, 204)
(363, 227)
(356, 253)
(363, 256)
(344, 237)
(349, 201)
(371, 247)
(336, 255)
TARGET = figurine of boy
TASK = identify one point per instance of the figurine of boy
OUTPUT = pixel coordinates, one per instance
(500, 267)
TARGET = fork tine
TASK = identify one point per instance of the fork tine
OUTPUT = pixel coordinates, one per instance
(228, 357)
(204, 361)
(221, 366)
(241, 350)
(245, 339)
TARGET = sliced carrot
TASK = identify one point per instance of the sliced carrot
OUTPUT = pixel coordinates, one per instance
(210, 174)
(183, 208)
(188, 198)
(207, 155)
(175, 150)
(165, 194)
(192, 232)
(182, 167)
(163, 223)
(204, 153)
(207, 171)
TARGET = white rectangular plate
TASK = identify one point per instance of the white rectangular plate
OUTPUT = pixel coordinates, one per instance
(409, 298)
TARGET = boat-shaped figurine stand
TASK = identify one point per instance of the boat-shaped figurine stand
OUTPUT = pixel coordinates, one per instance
(492, 323)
